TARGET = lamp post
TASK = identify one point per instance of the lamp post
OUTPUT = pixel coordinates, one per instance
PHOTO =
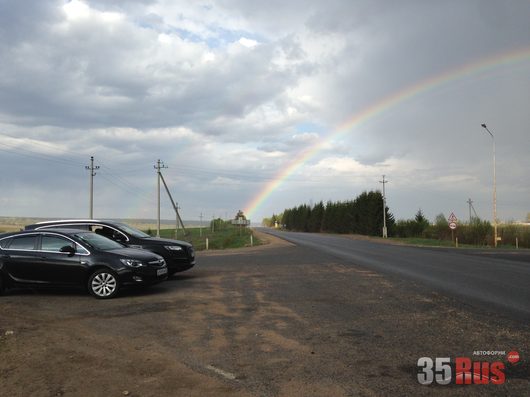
(385, 234)
(494, 187)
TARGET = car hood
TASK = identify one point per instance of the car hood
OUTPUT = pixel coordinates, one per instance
(136, 253)
(166, 241)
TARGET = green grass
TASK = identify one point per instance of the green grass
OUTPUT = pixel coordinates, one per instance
(428, 242)
(423, 241)
(227, 237)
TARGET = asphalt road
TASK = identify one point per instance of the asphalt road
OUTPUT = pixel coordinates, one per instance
(497, 281)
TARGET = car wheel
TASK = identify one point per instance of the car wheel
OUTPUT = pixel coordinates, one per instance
(103, 284)
(2, 286)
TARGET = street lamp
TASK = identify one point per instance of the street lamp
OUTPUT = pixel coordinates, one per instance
(385, 233)
(494, 187)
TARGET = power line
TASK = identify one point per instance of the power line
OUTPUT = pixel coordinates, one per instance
(37, 155)
(126, 187)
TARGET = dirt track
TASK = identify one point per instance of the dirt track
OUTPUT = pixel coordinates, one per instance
(271, 321)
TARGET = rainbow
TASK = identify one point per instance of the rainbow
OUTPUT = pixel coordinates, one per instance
(478, 67)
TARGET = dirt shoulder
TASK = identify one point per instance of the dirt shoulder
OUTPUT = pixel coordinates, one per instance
(268, 241)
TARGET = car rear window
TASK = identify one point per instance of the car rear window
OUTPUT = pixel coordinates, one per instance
(5, 242)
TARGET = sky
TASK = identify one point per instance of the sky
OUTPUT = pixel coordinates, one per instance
(262, 106)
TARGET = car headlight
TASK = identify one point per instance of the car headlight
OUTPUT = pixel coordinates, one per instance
(173, 247)
(132, 262)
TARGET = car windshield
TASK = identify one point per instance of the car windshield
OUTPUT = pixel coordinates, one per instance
(132, 231)
(99, 242)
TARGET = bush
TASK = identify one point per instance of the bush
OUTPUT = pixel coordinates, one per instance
(440, 230)
(478, 232)
(412, 228)
(511, 231)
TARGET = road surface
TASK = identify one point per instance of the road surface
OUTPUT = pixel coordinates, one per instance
(494, 280)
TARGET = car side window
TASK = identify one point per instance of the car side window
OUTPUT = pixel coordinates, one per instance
(55, 243)
(23, 243)
(104, 231)
(109, 233)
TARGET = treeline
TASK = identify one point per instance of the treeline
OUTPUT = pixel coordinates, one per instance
(363, 215)
(475, 232)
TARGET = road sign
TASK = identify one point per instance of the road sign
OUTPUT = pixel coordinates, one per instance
(452, 218)
(452, 225)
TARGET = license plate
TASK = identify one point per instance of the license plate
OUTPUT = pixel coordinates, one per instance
(161, 272)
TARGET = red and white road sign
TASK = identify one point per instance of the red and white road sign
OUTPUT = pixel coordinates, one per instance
(452, 225)
(452, 218)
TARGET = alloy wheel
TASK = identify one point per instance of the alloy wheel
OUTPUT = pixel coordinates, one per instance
(103, 284)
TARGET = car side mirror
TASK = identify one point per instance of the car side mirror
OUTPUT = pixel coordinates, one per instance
(67, 249)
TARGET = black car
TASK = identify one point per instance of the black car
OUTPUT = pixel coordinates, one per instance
(179, 255)
(75, 257)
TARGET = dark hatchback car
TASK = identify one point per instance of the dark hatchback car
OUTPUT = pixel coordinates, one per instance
(179, 255)
(75, 257)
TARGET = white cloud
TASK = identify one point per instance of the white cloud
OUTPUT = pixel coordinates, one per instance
(76, 9)
(249, 43)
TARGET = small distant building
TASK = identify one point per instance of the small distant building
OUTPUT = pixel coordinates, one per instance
(240, 219)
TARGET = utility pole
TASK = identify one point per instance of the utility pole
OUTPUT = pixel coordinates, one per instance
(471, 208)
(385, 234)
(200, 227)
(177, 223)
(175, 207)
(91, 168)
(159, 165)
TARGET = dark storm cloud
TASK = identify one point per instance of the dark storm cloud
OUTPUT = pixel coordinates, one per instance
(229, 92)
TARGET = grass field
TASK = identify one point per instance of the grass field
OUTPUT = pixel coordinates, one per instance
(428, 242)
(226, 237)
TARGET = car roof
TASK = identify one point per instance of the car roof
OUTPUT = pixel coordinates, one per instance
(63, 230)
(70, 221)
(73, 221)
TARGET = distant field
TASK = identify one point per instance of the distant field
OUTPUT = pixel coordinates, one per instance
(14, 224)
(226, 237)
